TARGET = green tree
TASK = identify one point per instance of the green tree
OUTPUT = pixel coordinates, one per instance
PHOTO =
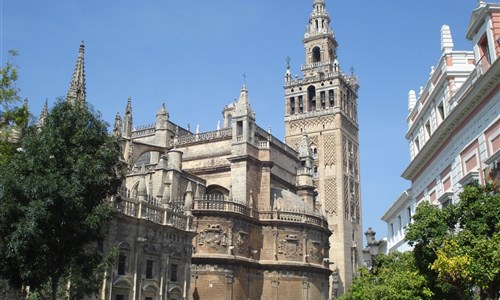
(426, 233)
(457, 247)
(53, 212)
(13, 118)
(393, 277)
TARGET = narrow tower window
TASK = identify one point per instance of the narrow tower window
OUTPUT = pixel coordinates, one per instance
(239, 128)
(311, 96)
(122, 260)
(331, 98)
(323, 99)
(149, 269)
(316, 55)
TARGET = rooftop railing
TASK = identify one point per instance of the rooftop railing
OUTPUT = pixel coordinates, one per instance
(152, 209)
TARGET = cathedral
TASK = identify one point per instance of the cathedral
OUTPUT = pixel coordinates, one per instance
(236, 213)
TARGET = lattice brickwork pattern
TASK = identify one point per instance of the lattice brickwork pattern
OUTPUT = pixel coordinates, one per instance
(313, 122)
(331, 195)
(314, 140)
(346, 197)
(344, 152)
(330, 153)
(349, 127)
(294, 143)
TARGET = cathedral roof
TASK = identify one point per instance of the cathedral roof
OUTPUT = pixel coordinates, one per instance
(287, 201)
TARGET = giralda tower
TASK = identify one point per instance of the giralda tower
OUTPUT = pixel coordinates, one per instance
(323, 105)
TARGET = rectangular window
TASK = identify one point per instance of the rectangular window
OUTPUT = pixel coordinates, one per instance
(122, 261)
(440, 109)
(301, 104)
(471, 163)
(400, 223)
(292, 105)
(120, 297)
(408, 210)
(331, 97)
(148, 298)
(392, 229)
(149, 269)
(239, 128)
(432, 196)
(427, 131)
(417, 144)
(173, 273)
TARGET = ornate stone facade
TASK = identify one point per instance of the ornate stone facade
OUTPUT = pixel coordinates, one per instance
(246, 195)
(323, 105)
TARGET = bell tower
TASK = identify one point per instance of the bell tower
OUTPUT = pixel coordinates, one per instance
(323, 105)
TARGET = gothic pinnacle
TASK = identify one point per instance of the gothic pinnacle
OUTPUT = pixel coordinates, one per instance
(76, 91)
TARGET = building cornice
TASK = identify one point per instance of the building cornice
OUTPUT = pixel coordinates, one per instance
(444, 72)
(478, 17)
(397, 205)
(475, 94)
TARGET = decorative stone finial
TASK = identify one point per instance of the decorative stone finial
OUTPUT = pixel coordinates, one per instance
(412, 100)
(446, 39)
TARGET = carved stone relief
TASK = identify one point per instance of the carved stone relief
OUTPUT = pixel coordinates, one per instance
(315, 251)
(213, 236)
(290, 246)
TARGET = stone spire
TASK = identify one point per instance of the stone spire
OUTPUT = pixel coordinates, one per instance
(76, 91)
(127, 119)
(43, 114)
(446, 39)
(243, 105)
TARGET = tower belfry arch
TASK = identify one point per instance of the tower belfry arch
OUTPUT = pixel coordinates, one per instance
(323, 103)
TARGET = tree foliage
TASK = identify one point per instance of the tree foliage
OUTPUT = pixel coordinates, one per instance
(457, 247)
(13, 117)
(52, 193)
(393, 277)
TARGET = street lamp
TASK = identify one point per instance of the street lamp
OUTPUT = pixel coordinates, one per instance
(372, 249)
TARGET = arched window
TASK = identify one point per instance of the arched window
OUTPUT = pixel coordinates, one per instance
(316, 54)
(217, 192)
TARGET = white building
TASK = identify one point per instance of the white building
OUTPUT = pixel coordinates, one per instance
(397, 218)
(453, 123)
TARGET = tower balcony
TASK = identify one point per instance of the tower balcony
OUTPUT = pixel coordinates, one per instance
(315, 65)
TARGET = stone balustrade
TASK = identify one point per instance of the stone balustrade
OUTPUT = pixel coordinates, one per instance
(173, 214)
(144, 130)
(205, 136)
(153, 210)
(294, 216)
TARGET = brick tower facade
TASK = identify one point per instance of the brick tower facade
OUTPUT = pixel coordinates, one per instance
(323, 105)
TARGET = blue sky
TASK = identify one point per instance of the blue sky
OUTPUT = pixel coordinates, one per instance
(192, 55)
